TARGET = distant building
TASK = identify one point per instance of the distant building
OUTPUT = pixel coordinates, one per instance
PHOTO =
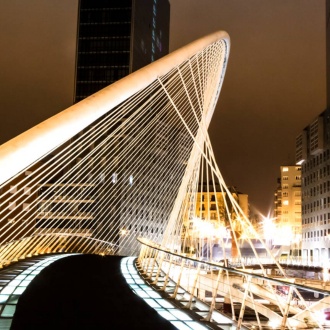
(313, 154)
(115, 38)
(118, 37)
(208, 217)
(10, 196)
(208, 201)
(287, 208)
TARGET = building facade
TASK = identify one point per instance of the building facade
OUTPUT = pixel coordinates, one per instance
(313, 154)
(210, 204)
(208, 219)
(287, 208)
(118, 37)
(115, 38)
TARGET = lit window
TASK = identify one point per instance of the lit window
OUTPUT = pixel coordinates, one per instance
(114, 178)
(123, 232)
(286, 202)
(26, 206)
(285, 169)
(11, 205)
(130, 180)
(13, 189)
(27, 190)
(102, 178)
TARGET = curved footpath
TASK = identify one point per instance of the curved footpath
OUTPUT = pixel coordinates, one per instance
(84, 292)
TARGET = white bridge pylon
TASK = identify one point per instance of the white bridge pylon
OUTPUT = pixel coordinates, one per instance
(133, 160)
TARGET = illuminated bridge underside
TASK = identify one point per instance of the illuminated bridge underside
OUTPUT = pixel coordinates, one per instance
(135, 160)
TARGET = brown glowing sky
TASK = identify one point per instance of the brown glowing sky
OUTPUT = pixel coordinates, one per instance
(274, 86)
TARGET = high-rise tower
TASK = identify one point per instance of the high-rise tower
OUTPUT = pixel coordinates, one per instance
(117, 37)
(287, 209)
(313, 154)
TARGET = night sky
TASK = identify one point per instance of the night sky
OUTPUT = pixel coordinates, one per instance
(275, 83)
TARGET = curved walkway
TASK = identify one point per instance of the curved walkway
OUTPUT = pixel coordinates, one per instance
(13, 281)
(84, 292)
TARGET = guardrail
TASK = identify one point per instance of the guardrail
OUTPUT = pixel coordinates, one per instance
(287, 261)
(248, 298)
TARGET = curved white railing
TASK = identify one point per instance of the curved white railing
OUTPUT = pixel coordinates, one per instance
(243, 298)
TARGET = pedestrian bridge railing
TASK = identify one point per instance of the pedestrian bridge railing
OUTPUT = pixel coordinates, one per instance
(243, 295)
(284, 261)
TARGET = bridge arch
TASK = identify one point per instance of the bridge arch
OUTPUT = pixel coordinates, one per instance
(108, 169)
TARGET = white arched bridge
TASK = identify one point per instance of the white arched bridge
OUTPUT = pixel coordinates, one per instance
(130, 171)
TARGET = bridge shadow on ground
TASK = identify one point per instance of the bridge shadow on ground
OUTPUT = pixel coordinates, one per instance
(84, 292)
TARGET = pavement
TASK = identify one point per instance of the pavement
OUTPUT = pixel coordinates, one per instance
(84, 292)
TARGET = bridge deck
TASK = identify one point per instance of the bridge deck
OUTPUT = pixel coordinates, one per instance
(84, 292)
